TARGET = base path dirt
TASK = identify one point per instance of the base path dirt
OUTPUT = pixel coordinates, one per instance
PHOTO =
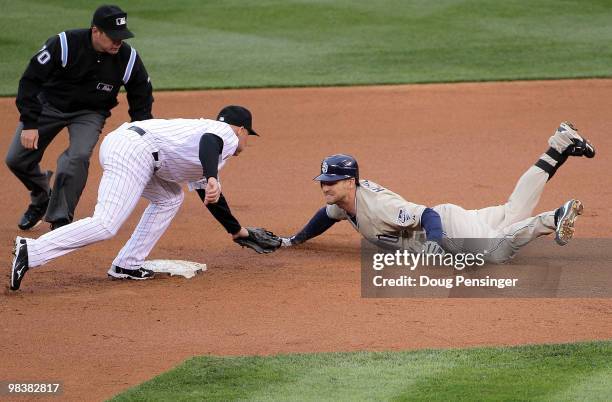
(465, 143)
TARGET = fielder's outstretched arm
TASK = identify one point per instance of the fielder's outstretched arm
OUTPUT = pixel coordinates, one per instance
(258, 239)
(222, 213)
(211, 147)
(318, 224)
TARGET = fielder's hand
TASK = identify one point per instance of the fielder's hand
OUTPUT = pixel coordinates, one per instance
(242, 233)
(213, 191)
(431, 247)
(259, 239)
(29, 138)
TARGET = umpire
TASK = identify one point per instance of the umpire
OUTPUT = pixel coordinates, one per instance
(73, 82)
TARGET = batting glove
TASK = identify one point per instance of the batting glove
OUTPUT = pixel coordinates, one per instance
(286, 241)
(431, 247)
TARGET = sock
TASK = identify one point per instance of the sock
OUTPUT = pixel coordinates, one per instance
(561, 139)
(550, 161)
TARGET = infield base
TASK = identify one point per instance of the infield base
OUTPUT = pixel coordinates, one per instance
(187, 269)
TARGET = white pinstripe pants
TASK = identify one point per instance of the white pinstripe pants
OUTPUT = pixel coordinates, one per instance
(128, 174)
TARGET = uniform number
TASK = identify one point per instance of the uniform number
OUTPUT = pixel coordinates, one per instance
(43, 57)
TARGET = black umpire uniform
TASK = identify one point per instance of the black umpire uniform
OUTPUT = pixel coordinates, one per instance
(70, 84)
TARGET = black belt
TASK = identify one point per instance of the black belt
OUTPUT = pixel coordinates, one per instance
(141, 132)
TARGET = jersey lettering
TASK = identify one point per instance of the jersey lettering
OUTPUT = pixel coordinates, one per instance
(370, 186)
(104, 87)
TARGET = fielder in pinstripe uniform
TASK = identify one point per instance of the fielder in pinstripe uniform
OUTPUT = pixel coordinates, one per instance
(149, 159)
(73, 82)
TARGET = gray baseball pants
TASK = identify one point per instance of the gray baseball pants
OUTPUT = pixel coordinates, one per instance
(84, 128)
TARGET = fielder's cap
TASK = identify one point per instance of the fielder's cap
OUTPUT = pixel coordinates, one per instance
(112, 21)
(237, 116)
(338, 167)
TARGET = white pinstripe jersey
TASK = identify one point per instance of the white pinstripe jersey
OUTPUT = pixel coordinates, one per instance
(383, 217)
(178, 142)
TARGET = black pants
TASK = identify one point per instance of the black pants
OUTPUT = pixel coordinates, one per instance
(84, 128)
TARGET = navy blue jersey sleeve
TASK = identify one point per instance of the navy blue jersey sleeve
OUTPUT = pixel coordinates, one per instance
(318, 224)
(431, 222)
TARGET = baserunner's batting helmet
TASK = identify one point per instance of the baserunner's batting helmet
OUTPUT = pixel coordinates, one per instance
(338, 167)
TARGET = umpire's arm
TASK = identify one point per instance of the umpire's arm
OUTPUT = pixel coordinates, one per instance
(139, 92)
(36, 74)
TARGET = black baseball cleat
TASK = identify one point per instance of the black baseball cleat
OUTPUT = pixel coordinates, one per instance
(20, 263)
(139, 274)
(33, 216)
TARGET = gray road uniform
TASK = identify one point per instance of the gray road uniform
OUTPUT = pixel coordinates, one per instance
(383, 217)
(386, 219)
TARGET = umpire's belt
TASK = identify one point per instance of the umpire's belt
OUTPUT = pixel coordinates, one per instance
(155, 154)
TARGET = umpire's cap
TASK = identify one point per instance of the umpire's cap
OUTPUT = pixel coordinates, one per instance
(237, 116)
(338, 167)
(112, 21)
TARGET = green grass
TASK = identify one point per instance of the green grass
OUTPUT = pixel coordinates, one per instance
(238, 43)
(564, 372)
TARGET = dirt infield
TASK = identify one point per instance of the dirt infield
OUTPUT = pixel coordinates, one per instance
(465, 144)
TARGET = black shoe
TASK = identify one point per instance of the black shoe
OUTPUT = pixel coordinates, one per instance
(139, 274)
(59, 224)
(20, 263)
(581, 148)
(32, 216)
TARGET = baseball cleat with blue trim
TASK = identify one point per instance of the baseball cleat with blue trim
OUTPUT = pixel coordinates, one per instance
(567, 215)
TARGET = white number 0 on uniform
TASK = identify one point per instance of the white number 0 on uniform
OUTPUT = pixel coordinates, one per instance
(43, 57)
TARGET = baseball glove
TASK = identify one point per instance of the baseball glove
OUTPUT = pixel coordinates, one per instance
(261, 240)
